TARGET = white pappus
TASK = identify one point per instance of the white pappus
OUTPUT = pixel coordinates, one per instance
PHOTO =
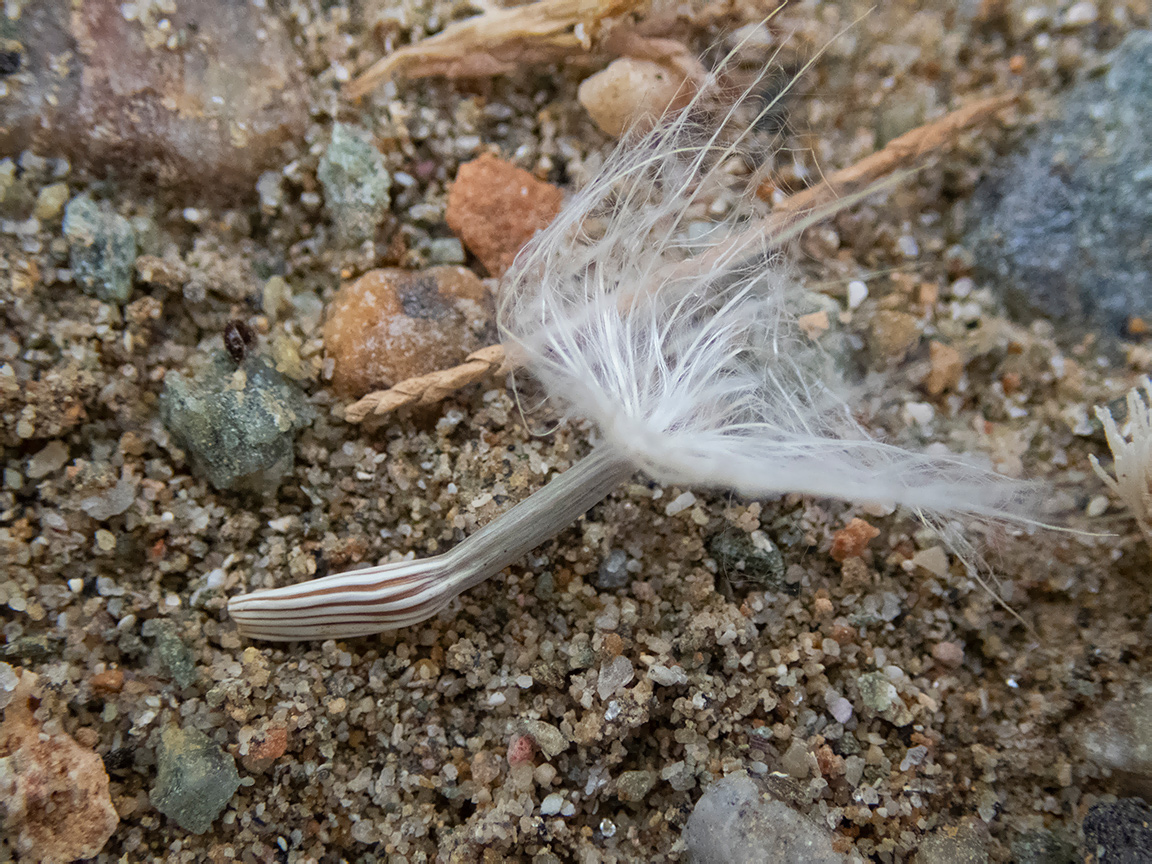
(687, 357)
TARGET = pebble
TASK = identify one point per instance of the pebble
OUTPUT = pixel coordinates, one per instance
(892, 335)
(633, 786)
(102, 249)
(495, 208)
(952, 845)
(546, 736)
(173, 654)
(551, 804)
(50, 200)
(857, 293)
(667, 676)
(852, 540)
(743, 560)
(195, 779)
(237, 423)
(392, 324)
(950, 654)
(204, 101)
(1043, 847)
(1062, 229)
(613, 573)
(446, 250)
(356, 184)
(879, 693)
(1097, 506)
(1120, 831)
(55, 794)
(1121, 739)
(631, 94)
(614, 674)
(48, 460)
(734, 822)
(947, 367)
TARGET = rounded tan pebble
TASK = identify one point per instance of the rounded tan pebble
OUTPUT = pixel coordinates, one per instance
(392, 324)
(495, 208)
(949, 654)
(631, 93)
(893, 334)
(947, 368)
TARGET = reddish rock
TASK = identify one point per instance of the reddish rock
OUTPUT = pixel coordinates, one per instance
(495, 208)
(206, 99)
(54, 796)
(852, 540)
(392, 324)
(521, 749)
(108, 681)
(264, 749)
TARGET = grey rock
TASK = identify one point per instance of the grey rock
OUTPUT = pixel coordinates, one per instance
(237, 423)
(744, 561)
(1065, 230)
(1043, 847)
(734, 822)
(173, 653)
(195, 779)
(1119, 832)
(209, 110)
(102, 248)
(952, 845)
(633, 786)
(355, 182)
(1121, 739)
(613, 570)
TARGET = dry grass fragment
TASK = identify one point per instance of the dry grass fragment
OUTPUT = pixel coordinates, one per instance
(430, 388)
(497, 42)
(1132, 456)
(792, 215)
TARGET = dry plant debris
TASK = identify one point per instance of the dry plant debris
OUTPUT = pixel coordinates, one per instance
(898, 155)
(1131, 448)
(497, 42)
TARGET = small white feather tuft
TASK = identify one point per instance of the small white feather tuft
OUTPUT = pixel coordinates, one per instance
(687, 354)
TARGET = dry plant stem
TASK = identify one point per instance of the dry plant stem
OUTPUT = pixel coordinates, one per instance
(899, 153)
(392, 596)
(495, 42)
(430, 388)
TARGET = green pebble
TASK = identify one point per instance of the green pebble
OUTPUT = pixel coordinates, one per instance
(633, 786)
(174, 655)
(102, 249)
(355, 182)
(236, 423)
(742, 562)
(195, 779)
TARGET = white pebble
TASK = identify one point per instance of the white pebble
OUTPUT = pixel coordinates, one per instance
(919, 413)
(613, 676)
(551, 805)
(681, 503)
(1081, 15)
(857, 293)
(840, 709)
(667, 677)
(1098, 506)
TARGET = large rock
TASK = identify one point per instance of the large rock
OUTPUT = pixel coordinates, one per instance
(202, 100)
(734, 822)
(1065, 228)
(54, 800)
